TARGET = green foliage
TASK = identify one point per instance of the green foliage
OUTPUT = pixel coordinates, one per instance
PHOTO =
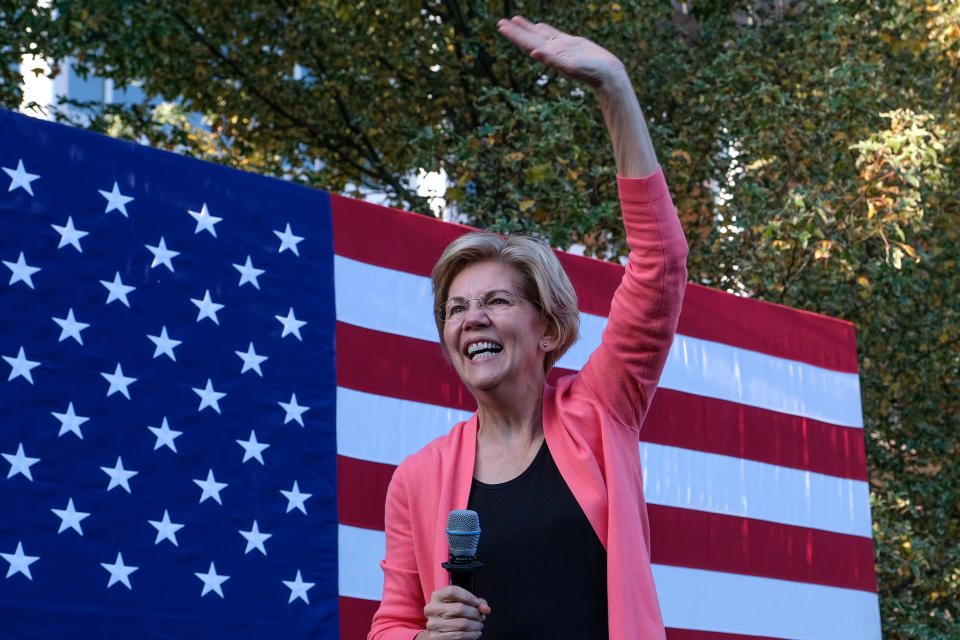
(810, 147)
(22, 27)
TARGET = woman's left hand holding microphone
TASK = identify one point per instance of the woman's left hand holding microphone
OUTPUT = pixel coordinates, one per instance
(454, 613)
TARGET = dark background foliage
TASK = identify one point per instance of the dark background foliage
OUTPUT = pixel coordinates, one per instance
(810, 146)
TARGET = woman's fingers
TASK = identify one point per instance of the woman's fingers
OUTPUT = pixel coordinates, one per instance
(521, 32)
(484, 607)
(454, 613)
(527, 35)
(452, 593)
(573, 56)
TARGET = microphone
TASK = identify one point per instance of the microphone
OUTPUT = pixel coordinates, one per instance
(463, 534)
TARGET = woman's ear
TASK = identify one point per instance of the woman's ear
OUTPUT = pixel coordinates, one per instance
(550, 336)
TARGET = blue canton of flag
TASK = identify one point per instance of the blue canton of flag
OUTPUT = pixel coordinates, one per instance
(167, 395)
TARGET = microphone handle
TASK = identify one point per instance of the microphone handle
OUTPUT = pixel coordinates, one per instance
(463, 571)
(464, 579)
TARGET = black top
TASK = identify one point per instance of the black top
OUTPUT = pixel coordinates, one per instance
(545, 571)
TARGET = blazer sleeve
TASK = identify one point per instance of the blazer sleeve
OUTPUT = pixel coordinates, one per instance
(623, 372)
(400, 616)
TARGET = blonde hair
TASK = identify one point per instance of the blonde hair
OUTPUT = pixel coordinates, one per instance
(543, 280)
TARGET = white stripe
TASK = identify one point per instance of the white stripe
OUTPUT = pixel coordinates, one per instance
(689, 598)
(688, 479)
(717, 370)
(383, 299)
(750, 605)
(386, 430)
(359, 552)
(400, 303)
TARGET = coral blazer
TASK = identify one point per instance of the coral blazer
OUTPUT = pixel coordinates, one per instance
(591, 422)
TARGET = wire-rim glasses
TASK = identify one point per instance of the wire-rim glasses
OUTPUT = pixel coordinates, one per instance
(454, 310)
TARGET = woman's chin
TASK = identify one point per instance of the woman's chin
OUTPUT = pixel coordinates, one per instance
(484, 375)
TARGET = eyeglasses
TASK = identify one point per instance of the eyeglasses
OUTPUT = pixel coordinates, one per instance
(497, 301)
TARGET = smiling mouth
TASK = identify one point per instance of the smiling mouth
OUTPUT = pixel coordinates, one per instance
(483, 350)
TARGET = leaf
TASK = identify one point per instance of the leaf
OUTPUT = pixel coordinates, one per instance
(538, 173)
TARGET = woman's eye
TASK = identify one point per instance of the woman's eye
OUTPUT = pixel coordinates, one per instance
(456, 309)
(498, 302)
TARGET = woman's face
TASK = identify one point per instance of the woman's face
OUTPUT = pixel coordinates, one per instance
(493, 345)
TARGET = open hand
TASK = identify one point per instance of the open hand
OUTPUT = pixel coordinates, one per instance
(454, 613)
(571, 55)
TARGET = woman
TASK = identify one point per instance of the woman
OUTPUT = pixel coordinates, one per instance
(554, 472)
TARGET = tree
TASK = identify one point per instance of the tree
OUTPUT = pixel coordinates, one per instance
(824, 182)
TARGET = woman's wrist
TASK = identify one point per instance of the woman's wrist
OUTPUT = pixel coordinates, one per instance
(613, 87)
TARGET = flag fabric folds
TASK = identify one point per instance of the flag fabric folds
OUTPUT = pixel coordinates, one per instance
(209, 377)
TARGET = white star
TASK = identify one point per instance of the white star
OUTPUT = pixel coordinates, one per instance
(21, 367)
(165, 344)
(288, 240)
(211, 581)
(20, 463)
(291, 325)
(119, 572)
(20, 179)
(70, 235)
(255, 539)
(295, 498)
(252, 448)
(162, 255)
(70, 327)
(208, 308)
(294, 410)
(118, 290)
(119, 476)
(298, 588)
(211, 488)
(251, 360)
(116, 200)
(19, 562)
(70, 518)
(209, 397)
(22, 272)
(118, 382)
(166, 530)
(165, 436)
(205, 221)
(70, 421)
(248, 273)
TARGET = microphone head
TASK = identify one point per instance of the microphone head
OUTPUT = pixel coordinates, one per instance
(463, 532)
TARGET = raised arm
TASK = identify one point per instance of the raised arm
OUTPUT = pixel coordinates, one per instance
(625, 370)
(590, 63)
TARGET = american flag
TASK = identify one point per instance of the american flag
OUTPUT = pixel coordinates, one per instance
(753, 451)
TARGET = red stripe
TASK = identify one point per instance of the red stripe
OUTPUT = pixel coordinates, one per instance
(769, 328)
(362, 492)
(679, 419)
(423, 238)
(707, 314)
(418, 372)
(680, 537)
(733, 544)
(355, 617)
(398, 367)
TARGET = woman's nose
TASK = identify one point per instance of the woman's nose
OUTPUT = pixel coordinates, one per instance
(475, 314)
